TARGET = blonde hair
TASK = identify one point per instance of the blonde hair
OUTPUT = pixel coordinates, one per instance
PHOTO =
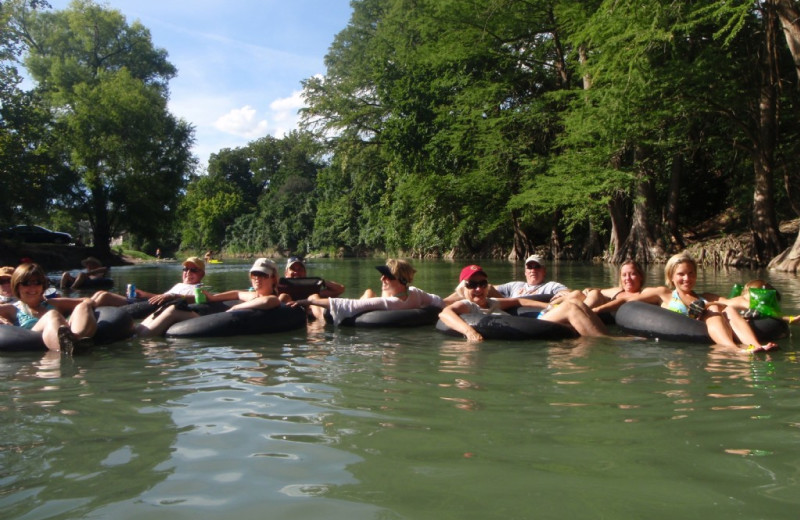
(401, 270)
(672, 265)
(759, 284)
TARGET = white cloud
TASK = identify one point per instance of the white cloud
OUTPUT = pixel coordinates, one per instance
(242, 122)
(284, 113)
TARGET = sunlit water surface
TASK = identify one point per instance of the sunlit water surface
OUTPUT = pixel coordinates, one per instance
(352, 423)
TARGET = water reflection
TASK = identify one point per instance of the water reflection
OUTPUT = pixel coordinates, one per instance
(346, 423)
(77, 440)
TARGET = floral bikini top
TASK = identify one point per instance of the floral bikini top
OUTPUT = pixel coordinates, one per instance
(25, 319)
(695, 310)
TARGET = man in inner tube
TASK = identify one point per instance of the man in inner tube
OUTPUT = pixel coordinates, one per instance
(303, 287)
(534, 284)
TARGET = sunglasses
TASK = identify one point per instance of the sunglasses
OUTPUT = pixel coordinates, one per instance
(191, 270)
(5, 281)
(31, 283)
(533, 265)
(259, 274)
(476, 284)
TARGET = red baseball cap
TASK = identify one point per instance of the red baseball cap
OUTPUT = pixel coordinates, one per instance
(469, 271)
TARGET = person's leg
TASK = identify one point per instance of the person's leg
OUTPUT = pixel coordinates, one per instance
(82, 321)
(79, 280)
(719, 330)
(66, 280)
(107, 299)
(578, 316)
(48, 325)
(594, 298)
(158, 325)
(743, 331)
(317, 312)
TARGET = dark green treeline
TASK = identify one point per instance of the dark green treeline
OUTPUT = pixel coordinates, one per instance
(585, 128)
(588, 128)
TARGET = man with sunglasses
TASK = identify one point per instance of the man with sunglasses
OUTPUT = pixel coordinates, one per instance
(534, 284)
(194, 269)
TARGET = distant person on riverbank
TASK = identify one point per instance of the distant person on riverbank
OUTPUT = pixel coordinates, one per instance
(158, 253)
(93, 269)
(726, 327)
(34, 312)
(6, 294)
(397, 293)
(194, 270)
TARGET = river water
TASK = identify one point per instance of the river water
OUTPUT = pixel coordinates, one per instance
(347, 423)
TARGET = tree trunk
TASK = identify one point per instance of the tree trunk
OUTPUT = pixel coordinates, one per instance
(640, 244)
(766, 236)
(673, 206)
(789, 260)
(556, 248)
(619, 224)
(101, 228)
(521, 242)
(593, 248)
(789, 16)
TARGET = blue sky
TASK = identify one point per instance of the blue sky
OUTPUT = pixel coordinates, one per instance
(240, 62)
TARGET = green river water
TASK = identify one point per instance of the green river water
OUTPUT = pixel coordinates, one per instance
(347, 423)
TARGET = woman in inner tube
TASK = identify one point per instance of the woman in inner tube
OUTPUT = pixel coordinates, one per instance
(46, 315)
(263, 278)
(473, 287)
(726, 327)
(631, 283)
(397, 293)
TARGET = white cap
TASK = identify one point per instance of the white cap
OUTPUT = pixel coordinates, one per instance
(535, 258)
(264, 265)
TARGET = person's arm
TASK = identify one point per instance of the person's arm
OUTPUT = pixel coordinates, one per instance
(450, 316)
(100, 271)
(319, 302)
(524, 302)
(653, 295)
(8, 314)
(331, 290)
(260, 302)
(223, 296)
(493, 292)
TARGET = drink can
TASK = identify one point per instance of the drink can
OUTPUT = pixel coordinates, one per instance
(736, 290)
(131, 291)
(199, 297)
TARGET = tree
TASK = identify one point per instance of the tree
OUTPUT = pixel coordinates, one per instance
(30, 172)
(107, 86)
(211, 205)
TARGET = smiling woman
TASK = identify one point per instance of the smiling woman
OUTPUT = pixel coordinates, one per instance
(34, 312)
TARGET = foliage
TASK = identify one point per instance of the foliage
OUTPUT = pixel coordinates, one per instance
(105, 84)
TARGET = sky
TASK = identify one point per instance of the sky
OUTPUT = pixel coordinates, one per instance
(240, 62)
